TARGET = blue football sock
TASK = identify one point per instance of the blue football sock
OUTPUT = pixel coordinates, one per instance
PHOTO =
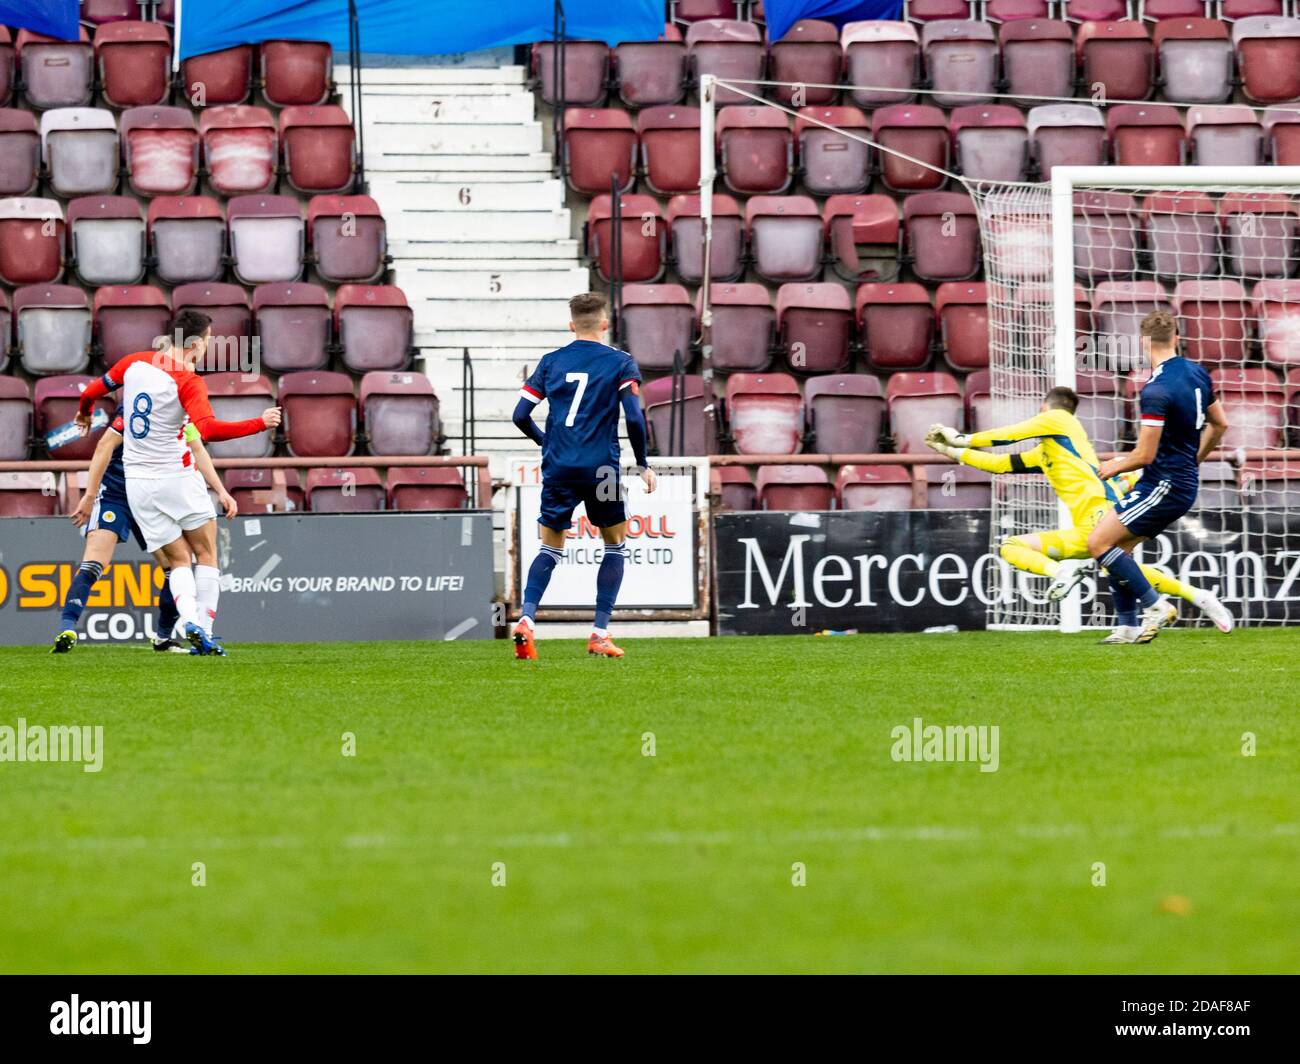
(1123, 568)
(608, 580)
(168, 614)
(78, 592)
(1125, 604)
(539, 575)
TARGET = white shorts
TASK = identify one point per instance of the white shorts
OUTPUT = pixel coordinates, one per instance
(165, 508)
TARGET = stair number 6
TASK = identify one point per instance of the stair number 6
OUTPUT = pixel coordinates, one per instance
(581, 378)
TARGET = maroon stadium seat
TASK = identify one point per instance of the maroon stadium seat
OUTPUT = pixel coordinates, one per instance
(264, 490)
(863, 235)
(599, 145)
(670, 148)
(815, 326)
(101, 12)
(160, 149)
(756, 149)
(339, 491)
(678, 421)
(735, 488)
(29, 494)
(977, 401)
(374, 327)
(943, 236)
(31, 241)
(990, 142)
(106, 240)
(1225, 136)
(657, 322)
(127, 319)
(1231, 10)
(219, 79)
(1194, 59)
(319, 148)
(55, 401)
(728, 49)
(810, 55)
(232, 321)
(292, 325)
(642, 254)
(1163, 10)
(241, 149)
(15, 420)
(1037, 57)
(1214, 321)
(651, 72)
(845, 413)
(1278, 316)
(961, 59)
(81, 151)
(785, 236)
(744, 327)
(923, 11)
(915, 402)
(764, 413)
(687, 11)
(963, 315)
(426, 488)
(794, 487)
(1254, 400)
(320, 414)
(1096, 10)
(883, 488)
(1106, 226)
(1066, 134)
(1268, 58)
(686, 232)
(1146, 135)
(400, 413)
(55, 73)
(586, 72)
(1181, 234)
(296, 73)
(134, 60)
(348, 239)
(1259, 234)
(236, 397)
(829, 162)
(267, 238)
(1118, 308)
(52, 327)
(896, 324)
(883, 54)
(916, 130)
(8, 66)
(956, 487)
(1117, 58)
(187, 239)
(1282, 128)
(20, 153)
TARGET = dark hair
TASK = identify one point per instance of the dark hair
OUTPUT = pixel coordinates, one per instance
(587, 310)
(1062, 398)
(1159, 327)
(189, 325)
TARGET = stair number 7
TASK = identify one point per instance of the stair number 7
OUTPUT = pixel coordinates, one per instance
(581, 378)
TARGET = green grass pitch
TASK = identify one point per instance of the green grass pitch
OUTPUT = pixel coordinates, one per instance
(768, 752)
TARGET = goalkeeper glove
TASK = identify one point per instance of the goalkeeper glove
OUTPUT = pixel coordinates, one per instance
(945, 449)
(950, 436)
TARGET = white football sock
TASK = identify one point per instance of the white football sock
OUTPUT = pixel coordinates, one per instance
(207, 582)
(184, 592)
(602, 632)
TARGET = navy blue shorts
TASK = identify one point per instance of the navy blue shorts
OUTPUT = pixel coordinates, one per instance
(1149, 509)
(603, 499)
(112, 513)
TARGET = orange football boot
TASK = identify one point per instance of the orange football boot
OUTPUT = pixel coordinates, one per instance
(525, 648)
(604, 647)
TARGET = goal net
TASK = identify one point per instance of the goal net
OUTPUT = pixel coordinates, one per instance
(1070, 267)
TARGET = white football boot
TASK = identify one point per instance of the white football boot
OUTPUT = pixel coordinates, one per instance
(1123, 634)
(1215, 610)
(1160, 614)
(1067, 577)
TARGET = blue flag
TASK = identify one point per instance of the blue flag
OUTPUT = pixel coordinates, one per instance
(782, 14)
(54, 18)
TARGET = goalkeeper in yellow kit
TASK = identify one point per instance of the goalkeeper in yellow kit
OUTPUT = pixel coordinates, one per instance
(1064, 455)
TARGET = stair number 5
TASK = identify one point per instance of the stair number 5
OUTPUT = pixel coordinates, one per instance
(581, 378)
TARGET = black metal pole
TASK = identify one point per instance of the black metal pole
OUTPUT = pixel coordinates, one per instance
(358, 116)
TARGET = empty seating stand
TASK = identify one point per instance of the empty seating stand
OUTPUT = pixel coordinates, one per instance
(845, 413)
(20, 153)
(55, 73)
(187, 239)
(127, 319)
(399, 414)
(374, 327)
(292, 323)
(765, 413)
(651, 72)
(106, 240)
(241, 148)
(658, 326)
(134, 63)
(31, 241)
(810, 55)
(347, 239)
(426, 488)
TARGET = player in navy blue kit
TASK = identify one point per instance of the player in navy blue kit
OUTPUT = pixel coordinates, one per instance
(584, 385)
(1182, 422)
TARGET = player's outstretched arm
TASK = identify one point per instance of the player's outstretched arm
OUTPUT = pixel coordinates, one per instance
(523, 419)
(108, 443)
(1025, 462)
(1216, 424)
(194, 398)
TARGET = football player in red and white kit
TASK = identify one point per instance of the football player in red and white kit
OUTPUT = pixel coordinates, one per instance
(169, 501)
